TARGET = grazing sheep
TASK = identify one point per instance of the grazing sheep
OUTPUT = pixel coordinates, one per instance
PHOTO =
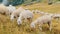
(4, 10)
(39, 12)
(26, 15)
(45, 13)
(11, 9)
(56, 16)
(33, 11)
(42, 20)
(16, 13)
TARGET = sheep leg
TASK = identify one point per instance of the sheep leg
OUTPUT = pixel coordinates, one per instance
(29, 19)
(58, 19)
(25, 19)
(50, 25)
(9, 13)
(40, 27)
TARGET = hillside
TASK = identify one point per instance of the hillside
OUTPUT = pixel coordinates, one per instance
(11, 27)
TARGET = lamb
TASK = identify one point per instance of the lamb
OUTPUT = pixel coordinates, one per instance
(26, 15)
(42, 20)
(16, 13)
(4, 10)
(11, 9)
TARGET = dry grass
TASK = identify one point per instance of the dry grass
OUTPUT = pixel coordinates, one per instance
(9, 27)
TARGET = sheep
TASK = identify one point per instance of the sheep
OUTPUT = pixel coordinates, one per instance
(26, 15)
(37, 11)
(11, 9)
(56, 16)
(40, 12)
(16, 13)
(45, 13)
(33, 11)
(4, 10)
(42, 20)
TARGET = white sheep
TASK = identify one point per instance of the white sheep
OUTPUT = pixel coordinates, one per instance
(56, 16)
(36, 11)
(42, 20)
(33, 11)
(4, 10)
(26, 15)
(39, 12)
(16, 13)
(11, 9)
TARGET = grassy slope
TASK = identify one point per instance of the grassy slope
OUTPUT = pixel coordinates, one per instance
(9, 27)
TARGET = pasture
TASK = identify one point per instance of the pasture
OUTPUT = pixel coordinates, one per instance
(9, 27)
